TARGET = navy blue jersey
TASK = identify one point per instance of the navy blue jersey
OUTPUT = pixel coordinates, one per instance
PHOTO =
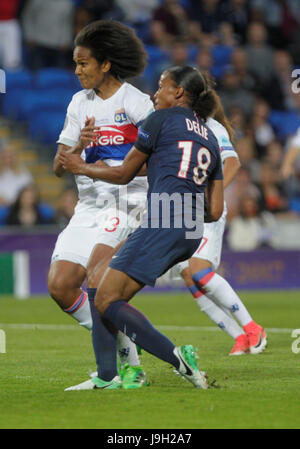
(183, 151)
(183, 155)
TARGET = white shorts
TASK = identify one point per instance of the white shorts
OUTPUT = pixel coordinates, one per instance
(75, 243)
(209, 249)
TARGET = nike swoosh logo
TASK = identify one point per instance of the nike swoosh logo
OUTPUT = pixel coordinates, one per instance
(187, 369)
(102, 388)
(260, 342)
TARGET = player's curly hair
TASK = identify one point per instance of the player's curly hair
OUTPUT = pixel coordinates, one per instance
(117, 43)
(198, 86)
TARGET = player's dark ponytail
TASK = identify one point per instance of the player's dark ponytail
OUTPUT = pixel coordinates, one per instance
(199, 89)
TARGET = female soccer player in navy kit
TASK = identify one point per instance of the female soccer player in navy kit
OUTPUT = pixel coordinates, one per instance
(183, 158)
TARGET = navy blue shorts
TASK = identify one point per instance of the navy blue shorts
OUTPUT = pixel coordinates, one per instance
(148, 253)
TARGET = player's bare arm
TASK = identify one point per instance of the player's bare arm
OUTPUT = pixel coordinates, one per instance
(230, 169)
(122, 174)
(214, 199)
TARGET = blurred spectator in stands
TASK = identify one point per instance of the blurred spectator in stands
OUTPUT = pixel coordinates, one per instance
(48, 32)
(271, 14)
(238, 121)
(252, 228)
(82, 17)
(241, 185)
(277, 91)
(204, 60)
(282, 19)
(13, 177)
(274, 155)
(259, 53)
(207, 13)
(262, 130)
(290, 19)
(236, 13)
(27, 210)
(103, 9)
(272, 195)
(246, 150)
(66, 206)
(10, 35)
(233, 94)
(247, 79)
(138, 13)
(177, 54)
(226, 35)
(170, 22)
(195, 36)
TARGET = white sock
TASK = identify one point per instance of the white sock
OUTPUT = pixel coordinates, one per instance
(220, 316)
(219, 290)
(127, 350)
(80, 311)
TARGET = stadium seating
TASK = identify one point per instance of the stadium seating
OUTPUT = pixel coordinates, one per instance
(284, 123)
(54, 77)
(46, 125)
(18, 79)
(20, 104)
(221, 55)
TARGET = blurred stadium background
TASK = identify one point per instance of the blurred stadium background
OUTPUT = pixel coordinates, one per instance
(251, 48)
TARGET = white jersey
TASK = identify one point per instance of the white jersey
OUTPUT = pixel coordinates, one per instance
(226, 147)
(118, 118)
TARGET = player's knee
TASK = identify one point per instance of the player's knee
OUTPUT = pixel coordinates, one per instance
(56, 287)
(59, 284)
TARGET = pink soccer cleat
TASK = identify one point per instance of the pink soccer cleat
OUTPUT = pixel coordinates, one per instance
(241, 345)
(257, 337)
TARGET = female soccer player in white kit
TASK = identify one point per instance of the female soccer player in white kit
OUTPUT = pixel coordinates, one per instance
(106, 54)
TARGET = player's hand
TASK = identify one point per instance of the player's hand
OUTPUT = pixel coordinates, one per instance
(71, 162)
(101, 164)
(89, 133)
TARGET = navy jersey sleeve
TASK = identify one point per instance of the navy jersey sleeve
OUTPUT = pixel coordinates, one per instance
(148, 133)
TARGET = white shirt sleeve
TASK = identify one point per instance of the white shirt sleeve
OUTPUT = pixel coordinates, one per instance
(222, 136)
(139, 109)
(71, 131)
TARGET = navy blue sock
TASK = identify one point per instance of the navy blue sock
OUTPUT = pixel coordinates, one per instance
(139, 329)
(104, 337)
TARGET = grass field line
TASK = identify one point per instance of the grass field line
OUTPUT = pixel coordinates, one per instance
(68, 327)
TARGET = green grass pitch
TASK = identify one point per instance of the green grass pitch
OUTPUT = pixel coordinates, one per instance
(46, 351)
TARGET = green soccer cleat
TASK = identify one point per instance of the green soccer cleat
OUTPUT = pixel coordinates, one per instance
(95, 383)
(188, 368)
(133, 377)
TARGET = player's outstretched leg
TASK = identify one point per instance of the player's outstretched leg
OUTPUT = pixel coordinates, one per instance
(219, 290)
(137, 326)
(217, 313)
